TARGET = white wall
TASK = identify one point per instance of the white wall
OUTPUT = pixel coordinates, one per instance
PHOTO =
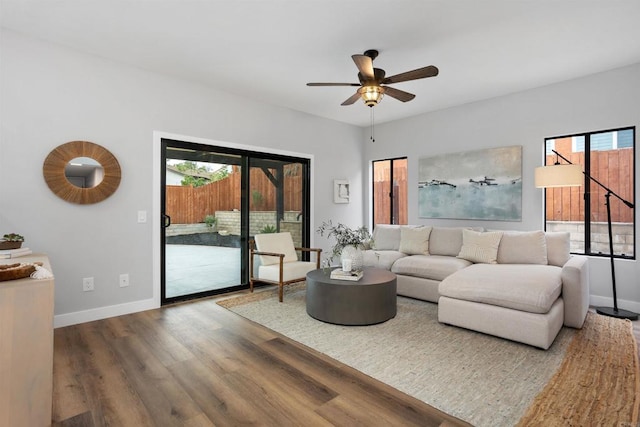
(598, 102)
(51, 95)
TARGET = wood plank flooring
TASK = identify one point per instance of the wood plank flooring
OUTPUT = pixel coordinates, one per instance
(197, 364)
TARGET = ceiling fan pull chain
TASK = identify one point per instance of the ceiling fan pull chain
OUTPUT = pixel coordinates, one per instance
(372, 126)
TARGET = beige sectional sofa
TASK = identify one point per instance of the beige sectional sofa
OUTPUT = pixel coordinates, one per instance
(522, 286)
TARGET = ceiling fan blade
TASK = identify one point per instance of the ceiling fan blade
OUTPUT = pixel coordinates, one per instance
(398, 94)
(365, 66)
(420, 73)
(352, 99)
(333, 84)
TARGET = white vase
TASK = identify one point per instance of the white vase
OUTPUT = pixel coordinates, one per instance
(355, 255)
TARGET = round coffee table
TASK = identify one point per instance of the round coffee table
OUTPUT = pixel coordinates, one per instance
(370, 300)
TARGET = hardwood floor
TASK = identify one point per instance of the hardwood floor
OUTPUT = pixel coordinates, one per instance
(197, 364)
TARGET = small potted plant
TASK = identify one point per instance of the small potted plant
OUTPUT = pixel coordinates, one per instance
(211, 221)
(11, 241)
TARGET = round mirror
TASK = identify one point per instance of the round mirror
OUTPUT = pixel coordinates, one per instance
(84, 172)
(81, 172)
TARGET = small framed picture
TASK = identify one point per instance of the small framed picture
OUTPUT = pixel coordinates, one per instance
(341, 191)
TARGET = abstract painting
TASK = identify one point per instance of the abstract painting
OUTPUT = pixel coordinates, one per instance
(483, 184)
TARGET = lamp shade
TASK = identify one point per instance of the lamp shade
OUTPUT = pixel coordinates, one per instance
(559, 176)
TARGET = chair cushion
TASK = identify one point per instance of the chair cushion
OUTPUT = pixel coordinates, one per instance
(435, 267)
(381, 259)
(386, 237)
(480, 247)
(414, 240)
(523, 247)
(291, 271)
(526, 287)
(280, 243)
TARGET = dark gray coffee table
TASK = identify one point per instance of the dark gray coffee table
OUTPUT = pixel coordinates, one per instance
(370, 300)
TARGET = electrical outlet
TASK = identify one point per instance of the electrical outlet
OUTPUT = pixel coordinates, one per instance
(124, 280)
(87, 284)
(142, 217)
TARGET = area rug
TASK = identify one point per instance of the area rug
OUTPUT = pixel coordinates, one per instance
(586, 375)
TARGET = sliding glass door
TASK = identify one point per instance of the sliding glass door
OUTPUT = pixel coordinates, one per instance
(214, 200)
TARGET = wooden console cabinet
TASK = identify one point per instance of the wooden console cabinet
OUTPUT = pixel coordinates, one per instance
(26, 348)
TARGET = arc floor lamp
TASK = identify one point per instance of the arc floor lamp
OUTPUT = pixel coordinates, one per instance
(571, 175)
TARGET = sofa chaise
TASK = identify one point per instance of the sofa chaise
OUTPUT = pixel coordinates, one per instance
(522, 286)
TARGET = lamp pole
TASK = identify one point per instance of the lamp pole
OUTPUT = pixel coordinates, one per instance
(609, 311)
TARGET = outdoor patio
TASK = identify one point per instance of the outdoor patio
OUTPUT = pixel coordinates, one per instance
(198, 268)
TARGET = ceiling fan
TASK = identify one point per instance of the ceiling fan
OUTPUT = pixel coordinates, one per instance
(372, 79)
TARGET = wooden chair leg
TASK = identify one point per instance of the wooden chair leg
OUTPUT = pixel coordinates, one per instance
(251, 285)
(280, 291)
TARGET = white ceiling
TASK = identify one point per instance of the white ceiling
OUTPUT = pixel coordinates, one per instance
(269, 49)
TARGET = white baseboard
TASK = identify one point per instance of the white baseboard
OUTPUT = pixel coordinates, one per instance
(99, 313)
(598, 301)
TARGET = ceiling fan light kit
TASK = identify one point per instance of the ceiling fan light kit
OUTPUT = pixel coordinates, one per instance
(371, 95)
(371, 80)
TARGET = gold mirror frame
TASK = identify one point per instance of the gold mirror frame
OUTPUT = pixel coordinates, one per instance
(56, 161)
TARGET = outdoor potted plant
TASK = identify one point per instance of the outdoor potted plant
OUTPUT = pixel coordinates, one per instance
(349, 242)
(11, 241)
(211, 221)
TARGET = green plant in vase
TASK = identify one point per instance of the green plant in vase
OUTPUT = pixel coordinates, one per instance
(346, 240)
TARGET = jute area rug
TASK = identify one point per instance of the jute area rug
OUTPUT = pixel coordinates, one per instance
(588, 376)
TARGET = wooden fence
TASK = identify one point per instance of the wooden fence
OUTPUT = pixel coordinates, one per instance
(613, 169)
(189, 205)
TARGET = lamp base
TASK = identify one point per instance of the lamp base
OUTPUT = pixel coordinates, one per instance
(619, 313)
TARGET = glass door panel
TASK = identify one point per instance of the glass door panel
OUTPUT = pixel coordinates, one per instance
(202, 197)
(390, 198)
(277, 199)
(399, 196)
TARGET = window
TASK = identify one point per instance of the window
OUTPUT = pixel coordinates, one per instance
(609, 157)
(390, 191)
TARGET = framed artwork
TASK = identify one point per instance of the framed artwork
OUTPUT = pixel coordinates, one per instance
(341, 191)
(483, 184)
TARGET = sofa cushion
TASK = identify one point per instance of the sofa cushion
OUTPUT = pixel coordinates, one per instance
(414, 240)
(445, 241)
(558, 247)
(435, 267)
(381, 259)
(526, 287)
(386, 237)
(480, 247)
(523, 247)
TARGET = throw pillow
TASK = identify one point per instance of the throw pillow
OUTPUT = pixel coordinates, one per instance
(447, 241)
(414, 240)
(386, 237)
(480, 247)
(523, 247)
